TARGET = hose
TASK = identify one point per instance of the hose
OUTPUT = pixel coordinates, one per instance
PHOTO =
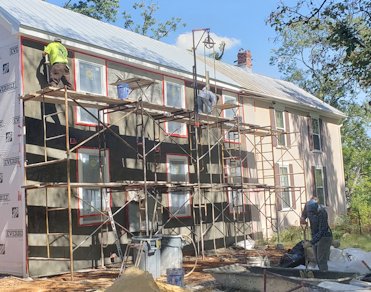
(196, 255)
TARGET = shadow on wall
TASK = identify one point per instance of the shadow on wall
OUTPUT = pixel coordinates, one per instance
(325, 158)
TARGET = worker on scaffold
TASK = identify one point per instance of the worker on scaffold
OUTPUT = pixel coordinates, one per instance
(59, 64)
(207, 101)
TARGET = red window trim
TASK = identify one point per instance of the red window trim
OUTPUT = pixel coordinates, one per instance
(185, 106)
(79, 216)
(168, 179)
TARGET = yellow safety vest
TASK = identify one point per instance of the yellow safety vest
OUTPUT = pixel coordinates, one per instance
(57, 53)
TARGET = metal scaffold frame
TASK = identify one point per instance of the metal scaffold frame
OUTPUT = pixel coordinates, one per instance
(216, 128)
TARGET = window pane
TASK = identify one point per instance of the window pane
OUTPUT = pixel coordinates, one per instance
(177, 199)
(90, 77)
(174, 94)
(316, 142)
(286, 199)
(230, 113)
(91, 198)
(319, 178)
(281, 139)
(315, 126)
(321, 195)
(176, 128)
(178, 170)
(85, 117)
(89, 167)
(284, 182)
(279, 120)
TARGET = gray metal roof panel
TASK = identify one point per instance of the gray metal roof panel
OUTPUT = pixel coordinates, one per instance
(52, 19)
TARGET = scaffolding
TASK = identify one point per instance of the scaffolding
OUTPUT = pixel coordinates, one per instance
(212, 133)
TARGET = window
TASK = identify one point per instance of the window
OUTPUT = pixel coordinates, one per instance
(285, 188)
(280, 125)
(236, 200)
(235, 196)
(319, 185)
(178, 171)
(91, 199)
(231, 114)
(180, 201)
(316, 134)
(90, 78)
(174, 96)
(233, 171)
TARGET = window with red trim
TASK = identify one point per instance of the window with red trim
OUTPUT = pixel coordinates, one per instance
(178, 171)
(231, 113)
(91, 199)
(174, 95)
(90, 77)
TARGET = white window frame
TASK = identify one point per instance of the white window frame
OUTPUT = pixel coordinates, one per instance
(235, 111)
(239, 198)
(318, 134)
(181, 127)
(93, 217)
(96, 62)
(316, 186)
(187, 195)
(237, 192)
(288, 188)
(283, 129)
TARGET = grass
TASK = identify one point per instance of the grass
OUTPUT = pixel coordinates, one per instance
(355, 240)
(292, 235)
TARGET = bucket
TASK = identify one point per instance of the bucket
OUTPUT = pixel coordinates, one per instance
(175, 276)
(123, 90)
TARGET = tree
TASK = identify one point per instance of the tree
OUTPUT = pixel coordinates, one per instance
(106, 10)
(325, 47)
(336, 38)
(149, 26)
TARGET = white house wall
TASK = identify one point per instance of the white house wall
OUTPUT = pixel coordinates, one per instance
(12, 204)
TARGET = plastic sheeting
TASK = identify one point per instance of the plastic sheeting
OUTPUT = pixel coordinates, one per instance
(12, 203)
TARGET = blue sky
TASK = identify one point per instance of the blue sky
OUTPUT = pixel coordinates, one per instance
(241, 23)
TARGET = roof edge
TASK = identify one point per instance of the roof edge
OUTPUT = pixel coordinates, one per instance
(269, 97)
(11, 23)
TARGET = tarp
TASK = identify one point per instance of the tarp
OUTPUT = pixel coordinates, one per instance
(12, 202)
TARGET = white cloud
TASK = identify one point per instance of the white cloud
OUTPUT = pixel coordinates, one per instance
(185, 41)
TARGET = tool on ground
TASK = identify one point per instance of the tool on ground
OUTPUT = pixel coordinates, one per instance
(306, 273)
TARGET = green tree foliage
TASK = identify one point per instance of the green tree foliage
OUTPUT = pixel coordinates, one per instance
(325, 47)
(105, 10)
(331, 42)
(357, 161)
(149, 25)
(144, 21)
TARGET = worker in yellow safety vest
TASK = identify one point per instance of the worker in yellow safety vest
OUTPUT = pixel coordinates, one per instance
(59, 63)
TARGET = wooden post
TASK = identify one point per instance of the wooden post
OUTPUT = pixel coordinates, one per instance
(68, 181)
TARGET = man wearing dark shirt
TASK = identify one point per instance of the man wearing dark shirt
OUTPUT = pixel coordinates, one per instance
(321, 232)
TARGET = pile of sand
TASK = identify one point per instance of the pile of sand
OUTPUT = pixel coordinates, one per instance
(137, 280)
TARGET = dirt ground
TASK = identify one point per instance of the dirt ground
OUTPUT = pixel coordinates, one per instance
(100, 279)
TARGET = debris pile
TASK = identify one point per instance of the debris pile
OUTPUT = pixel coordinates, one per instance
(135, 279)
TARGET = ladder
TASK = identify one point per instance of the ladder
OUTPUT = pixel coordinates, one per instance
(130, 246)
(113, 225)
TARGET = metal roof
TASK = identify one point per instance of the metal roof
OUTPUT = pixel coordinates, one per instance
(273, 88)
(51, 19)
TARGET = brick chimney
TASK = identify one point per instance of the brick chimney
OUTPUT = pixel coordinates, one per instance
(244, 59)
